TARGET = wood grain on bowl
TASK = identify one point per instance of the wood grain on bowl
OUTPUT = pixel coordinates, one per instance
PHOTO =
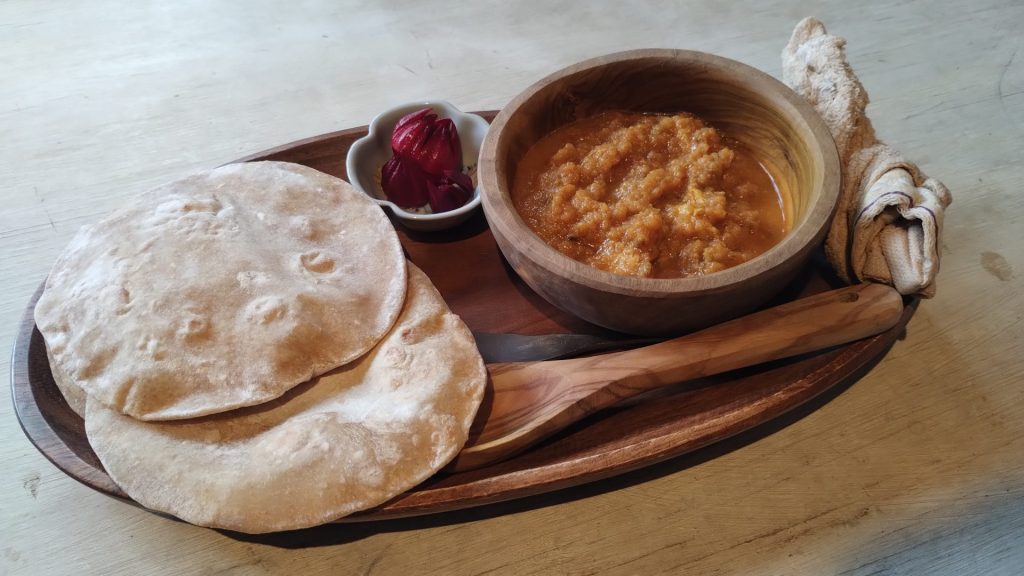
(767, 118)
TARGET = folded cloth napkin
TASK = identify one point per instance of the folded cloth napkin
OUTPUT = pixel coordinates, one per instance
(889, 219)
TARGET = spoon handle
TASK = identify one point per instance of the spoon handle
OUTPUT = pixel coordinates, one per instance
(529, 401)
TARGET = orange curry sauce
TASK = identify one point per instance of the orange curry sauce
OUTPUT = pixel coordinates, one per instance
(648, 195)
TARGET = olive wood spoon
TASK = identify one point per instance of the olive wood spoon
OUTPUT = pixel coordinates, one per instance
(529, 401)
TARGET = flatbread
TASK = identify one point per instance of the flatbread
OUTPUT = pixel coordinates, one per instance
(348, 441)
(222, 290)
(73, 393)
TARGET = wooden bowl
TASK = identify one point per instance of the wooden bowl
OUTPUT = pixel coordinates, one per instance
(777, 126)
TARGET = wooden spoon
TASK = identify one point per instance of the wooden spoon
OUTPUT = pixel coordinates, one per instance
(529, 401)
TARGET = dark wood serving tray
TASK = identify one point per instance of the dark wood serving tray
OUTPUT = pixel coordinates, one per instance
(468, 270)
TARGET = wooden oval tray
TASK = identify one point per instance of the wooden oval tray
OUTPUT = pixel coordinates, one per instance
(468, 270)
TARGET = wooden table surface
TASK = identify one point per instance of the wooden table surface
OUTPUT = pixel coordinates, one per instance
(918, 468)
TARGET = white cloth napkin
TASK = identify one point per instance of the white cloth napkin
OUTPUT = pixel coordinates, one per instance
(889, 220)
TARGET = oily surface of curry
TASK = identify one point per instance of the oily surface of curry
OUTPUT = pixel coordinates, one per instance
(648, 195)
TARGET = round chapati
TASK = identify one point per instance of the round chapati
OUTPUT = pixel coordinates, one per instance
(350, 440)
(222, 290)
(73, 393)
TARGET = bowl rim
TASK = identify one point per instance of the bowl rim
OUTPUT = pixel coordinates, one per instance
(500, 214)
(375, 131)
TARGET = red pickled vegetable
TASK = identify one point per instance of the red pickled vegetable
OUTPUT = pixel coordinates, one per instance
(410, 129)
(432, 143)
(426, 166)
(450, 191)
(404, 183)
(442, 151)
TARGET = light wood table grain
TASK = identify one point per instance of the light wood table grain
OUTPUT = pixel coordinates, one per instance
(918, 468)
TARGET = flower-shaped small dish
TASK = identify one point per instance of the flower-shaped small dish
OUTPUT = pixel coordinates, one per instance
(368, 155)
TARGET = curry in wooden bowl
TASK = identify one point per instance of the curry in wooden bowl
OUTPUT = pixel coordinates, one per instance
(658, 191)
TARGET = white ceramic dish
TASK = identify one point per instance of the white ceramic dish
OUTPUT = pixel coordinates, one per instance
(367, 156)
